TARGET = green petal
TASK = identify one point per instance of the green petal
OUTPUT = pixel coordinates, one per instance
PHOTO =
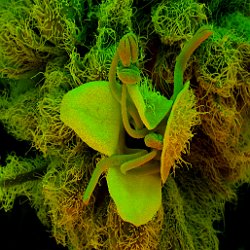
(137, 196)
(92, 112)
(152, 106)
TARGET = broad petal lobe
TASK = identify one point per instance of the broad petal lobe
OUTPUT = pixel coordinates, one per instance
(137, 196)
(93, 113)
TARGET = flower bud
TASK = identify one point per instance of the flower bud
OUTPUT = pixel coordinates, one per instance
(128, 49)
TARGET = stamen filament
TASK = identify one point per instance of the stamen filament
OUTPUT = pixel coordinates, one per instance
(129, 165)
(114, 86)
(140, 133)
(116, 91)
(181, 62)
(100, 168)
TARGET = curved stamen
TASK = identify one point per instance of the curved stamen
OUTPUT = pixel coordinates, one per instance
(181, 62)
(114, 86)
(139, 133)
(135, 163)
(150, 168)
(116, 91)
(103, 166)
